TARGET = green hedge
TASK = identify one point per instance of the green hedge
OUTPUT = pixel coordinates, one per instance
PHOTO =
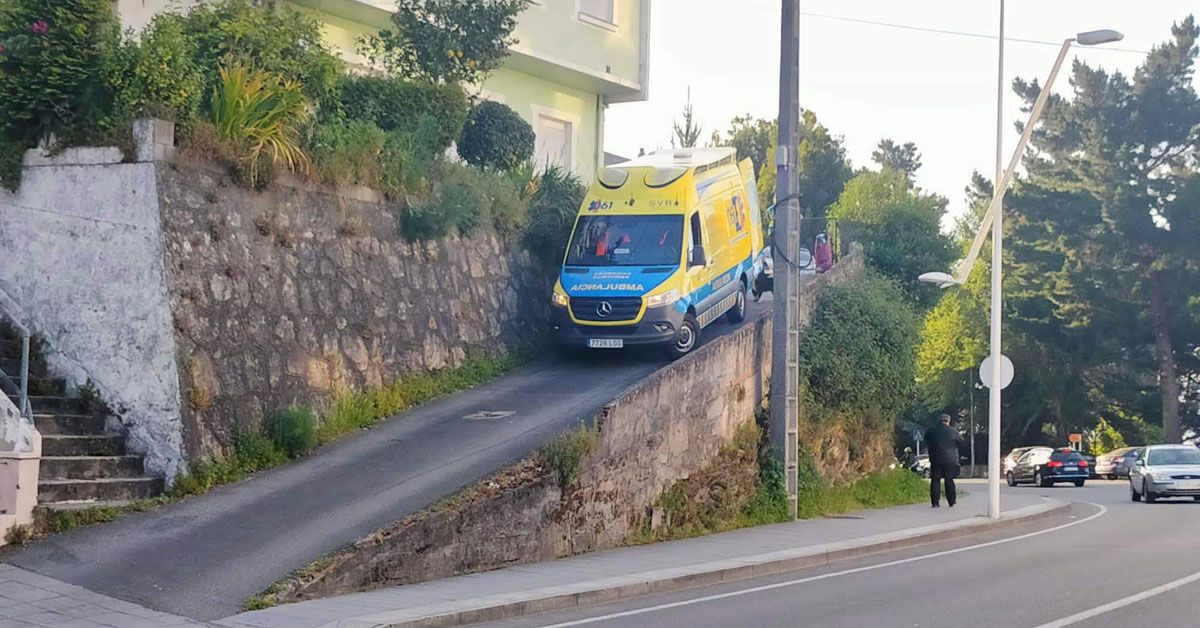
(398, 105)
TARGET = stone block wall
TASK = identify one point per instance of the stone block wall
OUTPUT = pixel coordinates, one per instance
(662, 430)
(299, 293)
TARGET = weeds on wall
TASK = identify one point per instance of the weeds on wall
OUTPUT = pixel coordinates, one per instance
(564, 455)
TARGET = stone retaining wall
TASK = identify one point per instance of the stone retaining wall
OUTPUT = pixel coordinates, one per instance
(297, 293)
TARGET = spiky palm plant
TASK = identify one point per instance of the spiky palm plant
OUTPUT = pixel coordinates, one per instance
(261, 115)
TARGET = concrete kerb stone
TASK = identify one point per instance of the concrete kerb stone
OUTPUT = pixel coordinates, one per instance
(607, 590)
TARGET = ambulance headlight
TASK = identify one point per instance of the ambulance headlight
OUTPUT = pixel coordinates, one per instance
(560, 299)
(666, 298)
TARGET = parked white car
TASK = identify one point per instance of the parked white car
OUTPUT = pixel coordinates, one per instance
(1165, 471)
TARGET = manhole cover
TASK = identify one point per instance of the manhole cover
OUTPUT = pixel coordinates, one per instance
(490, 415)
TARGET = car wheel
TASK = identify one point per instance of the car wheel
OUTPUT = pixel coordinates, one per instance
(1134, 496)
(1012, 481)
(1079, 483)
(686, 338)
(738, 313)
(1149, 496)
(1196, 498)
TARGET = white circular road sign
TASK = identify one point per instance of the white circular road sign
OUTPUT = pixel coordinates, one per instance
(1006, 371)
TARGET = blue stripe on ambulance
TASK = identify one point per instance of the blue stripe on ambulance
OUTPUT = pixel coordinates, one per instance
(699, 294)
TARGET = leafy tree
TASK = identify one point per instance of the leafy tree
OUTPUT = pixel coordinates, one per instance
(1108, 214)
(446, 41)
(49, 54)
(687, 133)
(281, 41)
(752, 137)
(899, 157)
(824, 169)
(898, 226)
(495, 137)
(1105, 438)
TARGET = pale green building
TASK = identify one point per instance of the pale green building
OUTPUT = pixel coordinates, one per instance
(574, 58)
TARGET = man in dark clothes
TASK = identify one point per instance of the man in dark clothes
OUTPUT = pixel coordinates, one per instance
(943, 442)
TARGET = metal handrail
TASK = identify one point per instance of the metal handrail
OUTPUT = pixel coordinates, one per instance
(23, 405)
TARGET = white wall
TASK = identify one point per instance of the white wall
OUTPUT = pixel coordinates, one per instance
(81, 255)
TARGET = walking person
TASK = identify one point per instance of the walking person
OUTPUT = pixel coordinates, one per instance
(943, 442)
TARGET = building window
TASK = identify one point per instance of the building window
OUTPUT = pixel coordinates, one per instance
(555, 142)
(603, 10)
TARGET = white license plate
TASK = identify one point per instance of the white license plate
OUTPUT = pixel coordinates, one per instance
(605, 343)
(1188, 485)
(1070, 469)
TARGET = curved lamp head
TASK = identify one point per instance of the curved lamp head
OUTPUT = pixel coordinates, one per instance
(942, 280)
(1094, 38)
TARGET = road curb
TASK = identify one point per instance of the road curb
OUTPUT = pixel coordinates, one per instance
(602, 591)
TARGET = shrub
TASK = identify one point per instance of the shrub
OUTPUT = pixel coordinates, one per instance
(461, 199)
(397, 105)
(260, 114)
(564, 454)
(446, 42)
(295, 430)
(278, 40)
(346, 153)
(156, 74)
(495, 137)
(11, 153)
(52, 50)
(552, 212)
(859, 354)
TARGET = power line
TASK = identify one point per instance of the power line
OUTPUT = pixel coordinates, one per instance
(936, 31)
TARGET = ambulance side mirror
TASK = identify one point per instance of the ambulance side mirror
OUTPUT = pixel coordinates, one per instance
(698, 258)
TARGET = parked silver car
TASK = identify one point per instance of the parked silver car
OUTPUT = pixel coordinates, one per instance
(1165, 471)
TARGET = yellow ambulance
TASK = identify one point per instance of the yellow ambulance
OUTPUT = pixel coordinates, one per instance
(663, 246)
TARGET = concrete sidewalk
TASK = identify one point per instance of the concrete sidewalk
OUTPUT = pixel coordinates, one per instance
(627, 572)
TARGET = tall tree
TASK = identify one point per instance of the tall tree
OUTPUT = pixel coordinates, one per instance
(1109, 213)
(899, 227)
(824, 169)
(752, 137)
(686, 133)
(903, 158)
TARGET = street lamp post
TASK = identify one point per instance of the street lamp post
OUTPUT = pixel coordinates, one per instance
(993, 221)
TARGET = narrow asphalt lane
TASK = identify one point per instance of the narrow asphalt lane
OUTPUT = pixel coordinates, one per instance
(203, 557)
(1106, 563)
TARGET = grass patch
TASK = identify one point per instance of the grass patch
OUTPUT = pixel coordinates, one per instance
(361, 410)
(882, 489)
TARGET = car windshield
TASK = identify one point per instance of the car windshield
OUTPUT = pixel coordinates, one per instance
(1159, 457)
(626, 241)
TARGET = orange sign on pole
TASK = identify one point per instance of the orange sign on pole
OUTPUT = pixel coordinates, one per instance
(1075, 438)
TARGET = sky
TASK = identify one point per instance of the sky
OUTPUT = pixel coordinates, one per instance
(867, 81)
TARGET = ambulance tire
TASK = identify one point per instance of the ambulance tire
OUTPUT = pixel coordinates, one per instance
(687, 337)
(737, 313)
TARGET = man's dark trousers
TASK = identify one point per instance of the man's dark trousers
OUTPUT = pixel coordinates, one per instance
(937, 473)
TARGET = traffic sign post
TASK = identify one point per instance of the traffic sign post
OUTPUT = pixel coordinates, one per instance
(1006, 371)
(918, 436)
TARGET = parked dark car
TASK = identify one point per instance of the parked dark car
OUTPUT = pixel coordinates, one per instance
(1043, 467)
(1106, 464)
(1091, 468)
(1125, 462)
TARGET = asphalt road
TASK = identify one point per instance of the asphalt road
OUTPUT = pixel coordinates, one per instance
(1100, 565)
(203, 557)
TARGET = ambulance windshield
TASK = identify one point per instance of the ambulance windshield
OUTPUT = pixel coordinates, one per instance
(626, 241)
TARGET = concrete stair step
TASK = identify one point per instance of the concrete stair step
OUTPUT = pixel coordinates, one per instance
(57, 405)
(91, 467)
(69, 424)
(102, 489)
(12, 368)
(58, 445)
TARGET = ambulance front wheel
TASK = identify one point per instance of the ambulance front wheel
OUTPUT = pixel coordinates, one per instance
(686, 338)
